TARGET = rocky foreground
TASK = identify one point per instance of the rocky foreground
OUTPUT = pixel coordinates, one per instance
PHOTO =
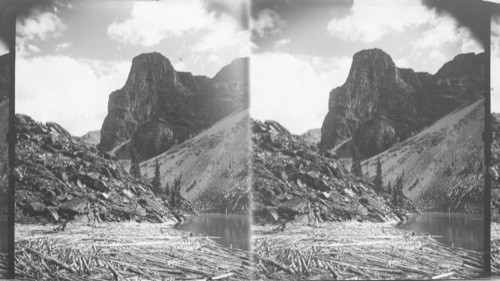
(294, 180)
(60, 178)
(352, 251)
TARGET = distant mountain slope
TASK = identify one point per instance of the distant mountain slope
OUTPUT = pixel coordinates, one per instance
(213, 167)
(312, 136)
(92, 137)
(294, 180)
(443, 164)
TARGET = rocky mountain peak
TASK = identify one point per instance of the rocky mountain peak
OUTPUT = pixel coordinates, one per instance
(237, 71)
(409, 100)
(372, 57)
(463, 64)
(189, 103)
(373, 88)
(151, 67)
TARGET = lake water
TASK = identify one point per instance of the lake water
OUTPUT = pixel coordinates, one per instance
(230, 230)
(460, 230)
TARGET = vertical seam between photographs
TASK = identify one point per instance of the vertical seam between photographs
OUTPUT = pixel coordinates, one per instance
(11, 139)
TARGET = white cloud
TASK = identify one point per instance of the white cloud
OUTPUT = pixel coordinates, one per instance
(369, 20)
(38, 26)
(401, 63)
(444, 30)
(268, 22)
(71, 92)
(224, 33)
(33, 48)
(153, 21)
(437, 55)
(179, 66)
(294, 90)
(218, 34)
(281, 43)
(63, 46)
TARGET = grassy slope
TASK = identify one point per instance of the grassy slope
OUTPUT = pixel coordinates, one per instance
(442, 161)
(214, 166)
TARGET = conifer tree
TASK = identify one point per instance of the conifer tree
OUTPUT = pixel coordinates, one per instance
(135, 169)
(378, 182)
(175, 196)
(356, 161)
(397, 193)
(167, 190)
(157, 179)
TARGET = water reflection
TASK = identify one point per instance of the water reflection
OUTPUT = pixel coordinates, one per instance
(233, 230)
(460, 230)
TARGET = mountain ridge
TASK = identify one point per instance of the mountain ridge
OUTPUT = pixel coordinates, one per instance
(376, 88)
(154, 90)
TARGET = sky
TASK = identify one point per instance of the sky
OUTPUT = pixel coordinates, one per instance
(70, 55)
(303, 49)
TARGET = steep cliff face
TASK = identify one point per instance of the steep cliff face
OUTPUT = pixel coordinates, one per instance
(155, 91)
(376, 88)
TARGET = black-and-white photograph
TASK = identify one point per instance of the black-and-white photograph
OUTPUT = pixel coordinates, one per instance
(249, 139)
(367, 148)
(132, 153)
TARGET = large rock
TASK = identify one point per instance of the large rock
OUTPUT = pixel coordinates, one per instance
(190, 104)
(376, 88)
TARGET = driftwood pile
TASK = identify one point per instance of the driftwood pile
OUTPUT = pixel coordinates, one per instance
(124, 251)
(358, 251)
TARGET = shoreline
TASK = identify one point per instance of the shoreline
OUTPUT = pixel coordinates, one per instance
(345, 250)
(112, 251)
